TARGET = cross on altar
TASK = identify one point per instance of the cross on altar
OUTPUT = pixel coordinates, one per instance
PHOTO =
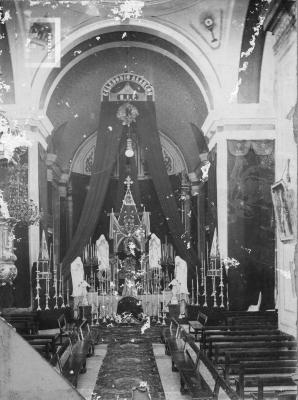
(128, 182)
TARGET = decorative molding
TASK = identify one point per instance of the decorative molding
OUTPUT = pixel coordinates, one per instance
(135, 88)
(174, 160)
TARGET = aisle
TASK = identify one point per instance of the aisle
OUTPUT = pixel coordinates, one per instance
(129, 360)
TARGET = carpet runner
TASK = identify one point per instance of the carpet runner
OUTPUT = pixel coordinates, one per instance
(128, 362)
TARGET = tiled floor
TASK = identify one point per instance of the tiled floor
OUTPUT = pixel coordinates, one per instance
(170, 380)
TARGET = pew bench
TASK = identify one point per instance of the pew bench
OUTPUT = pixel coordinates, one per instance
(52, 339)
(189, 364)
(244, 340)
(233, 359)
(71, 359)
(220, 349)
(258, 376)
(43, 349)
(209, 335)
(170, 334)
(196, 327)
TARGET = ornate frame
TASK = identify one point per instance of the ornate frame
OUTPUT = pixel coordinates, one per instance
(283, 202)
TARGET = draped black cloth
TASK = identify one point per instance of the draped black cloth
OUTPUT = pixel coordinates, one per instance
(150, 141)
(107, 144)
(107, 147)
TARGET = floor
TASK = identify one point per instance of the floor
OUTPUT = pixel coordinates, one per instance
(170, 380)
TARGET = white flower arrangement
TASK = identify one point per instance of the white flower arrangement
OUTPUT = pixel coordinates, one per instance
(230, 262)
(127, 113)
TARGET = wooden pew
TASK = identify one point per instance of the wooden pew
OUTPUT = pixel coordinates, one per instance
(71, 361)
(188, 365)
(43, 349)
(170, 334)
(221, 348)
(259, 375)
(233, 358)
(197, 326)
(239, 340)
(23, 323)
(217, 334)
(52, 339)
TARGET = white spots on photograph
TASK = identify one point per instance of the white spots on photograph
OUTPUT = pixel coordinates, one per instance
(77, 52)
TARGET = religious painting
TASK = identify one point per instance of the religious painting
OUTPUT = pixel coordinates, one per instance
(283, 206)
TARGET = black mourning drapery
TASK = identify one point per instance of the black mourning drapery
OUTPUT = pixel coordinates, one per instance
(107, 144)
(150, 141)
(108, 141)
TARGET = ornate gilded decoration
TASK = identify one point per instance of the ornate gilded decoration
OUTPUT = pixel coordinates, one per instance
(127, 113)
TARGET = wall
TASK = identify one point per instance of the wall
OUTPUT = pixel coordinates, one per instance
(285, 99)
(25, 374)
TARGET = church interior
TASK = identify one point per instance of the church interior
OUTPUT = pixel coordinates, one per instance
(148, 199)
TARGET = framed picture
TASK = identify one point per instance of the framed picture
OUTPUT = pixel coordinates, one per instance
(284, 210)
(43, 43)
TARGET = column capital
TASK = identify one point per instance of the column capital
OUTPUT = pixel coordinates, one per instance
(240, 121)
(35, 122)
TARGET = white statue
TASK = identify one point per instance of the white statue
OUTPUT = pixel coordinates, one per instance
(83, 289)
(154, 252)
(103, 253)
(175, 291)
(77, 276)
(181, 276)
(3, 207)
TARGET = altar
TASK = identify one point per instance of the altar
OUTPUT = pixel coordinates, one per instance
(152, 304)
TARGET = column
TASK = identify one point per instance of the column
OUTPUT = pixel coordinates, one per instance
(69, 212)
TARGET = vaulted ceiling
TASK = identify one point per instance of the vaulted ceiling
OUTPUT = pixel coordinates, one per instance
(75, 102)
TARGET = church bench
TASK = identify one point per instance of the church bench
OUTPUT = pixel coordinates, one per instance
(170, 334)
(214, 344)
(234, 358)
(197, 326)
(220, 349)
(23, 325)
(71, 359)
(209, 334)
(43, 349)
(252, 378)
(86, 343)
(189, 365)
(50, 338)
(177, 349)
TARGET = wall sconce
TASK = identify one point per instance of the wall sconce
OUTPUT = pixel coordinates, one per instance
(209, 24)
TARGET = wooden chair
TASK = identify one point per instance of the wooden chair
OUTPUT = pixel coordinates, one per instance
(197, 326)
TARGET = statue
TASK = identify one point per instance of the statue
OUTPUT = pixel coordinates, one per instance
(103, 253)
(4, 213)
(130, 265)
(77, 276)
(83, 292)
(175, 291)
(154, 252)
(181, 274)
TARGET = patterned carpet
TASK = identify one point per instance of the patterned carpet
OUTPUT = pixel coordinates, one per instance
(129, 361)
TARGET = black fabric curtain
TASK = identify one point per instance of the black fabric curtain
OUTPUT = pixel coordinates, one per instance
(150, 141)
(107, 145)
